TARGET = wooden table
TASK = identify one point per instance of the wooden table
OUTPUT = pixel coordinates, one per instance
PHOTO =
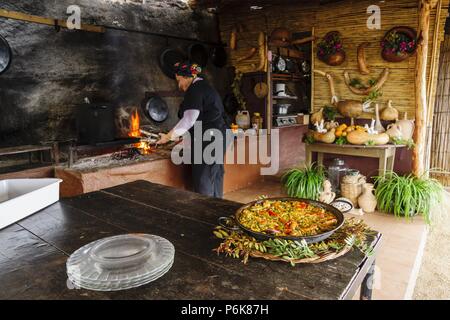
(384, 153)
(33, 252)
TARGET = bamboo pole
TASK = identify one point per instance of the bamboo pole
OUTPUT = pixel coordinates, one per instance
(432, 83)
(420, 132)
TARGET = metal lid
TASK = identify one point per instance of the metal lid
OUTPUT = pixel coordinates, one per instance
(338, 162)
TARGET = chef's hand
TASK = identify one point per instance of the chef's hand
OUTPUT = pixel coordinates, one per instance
(164, 138)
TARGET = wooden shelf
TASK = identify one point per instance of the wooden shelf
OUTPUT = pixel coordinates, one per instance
(290, 126)
(284, 98)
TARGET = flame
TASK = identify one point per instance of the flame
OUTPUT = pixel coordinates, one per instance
(135, 124)
(143, 146)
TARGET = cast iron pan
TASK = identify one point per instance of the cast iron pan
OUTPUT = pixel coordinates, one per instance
(198, 54)
(155, 108)
(218, 57)
(5, 55)
(168, 58)
(232, 223)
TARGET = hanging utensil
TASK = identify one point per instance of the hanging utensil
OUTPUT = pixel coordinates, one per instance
(218, 57)
(198, 54)
(5, 55)
(155, 108)
(167, 60)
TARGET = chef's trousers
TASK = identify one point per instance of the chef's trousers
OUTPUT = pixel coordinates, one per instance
(208, 179)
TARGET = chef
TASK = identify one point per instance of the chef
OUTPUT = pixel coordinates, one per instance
(201, 103)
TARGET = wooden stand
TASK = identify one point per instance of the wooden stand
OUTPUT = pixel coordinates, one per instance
(385, 153)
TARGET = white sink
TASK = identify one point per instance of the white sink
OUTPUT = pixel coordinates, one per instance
(20, 198)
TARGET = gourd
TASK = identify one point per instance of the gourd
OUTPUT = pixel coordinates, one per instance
(327, 137)
(361, 137)
(389, 113)
(317, 117)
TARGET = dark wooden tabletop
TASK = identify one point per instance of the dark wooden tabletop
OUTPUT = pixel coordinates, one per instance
(34, 251)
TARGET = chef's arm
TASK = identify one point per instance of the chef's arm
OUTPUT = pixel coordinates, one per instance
(185, 123)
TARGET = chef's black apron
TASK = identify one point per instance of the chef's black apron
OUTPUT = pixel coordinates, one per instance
(201, 96)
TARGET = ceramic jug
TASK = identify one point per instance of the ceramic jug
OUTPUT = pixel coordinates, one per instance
(406, 127)
(367, 200)
(243, 119)
(394, 131)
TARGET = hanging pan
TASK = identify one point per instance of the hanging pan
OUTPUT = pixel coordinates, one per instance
(5, 55)
(155, 108)
(198, 54)
(167, 60)
(218, 56)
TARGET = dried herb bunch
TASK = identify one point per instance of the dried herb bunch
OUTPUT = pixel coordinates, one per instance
(353, 234)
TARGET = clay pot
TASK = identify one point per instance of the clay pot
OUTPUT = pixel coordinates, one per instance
(394, 131)
(367, 200)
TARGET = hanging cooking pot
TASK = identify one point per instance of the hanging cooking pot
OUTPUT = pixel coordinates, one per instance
(5, 55)
(155, 108)
(219, 56)
(198, 54)
(167, 60)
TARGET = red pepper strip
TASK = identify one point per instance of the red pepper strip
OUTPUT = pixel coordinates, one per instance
(302, 205)
(273, 214)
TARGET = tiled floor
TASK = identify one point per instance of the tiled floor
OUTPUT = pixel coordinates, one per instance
(400, 251)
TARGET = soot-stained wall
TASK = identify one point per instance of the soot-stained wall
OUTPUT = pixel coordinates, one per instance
(52, 72)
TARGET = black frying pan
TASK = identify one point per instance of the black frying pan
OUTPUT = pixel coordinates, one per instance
(5, 55)
(168, 58)
(232, 223)
(218, 56)
(155, 108)
(198, 54)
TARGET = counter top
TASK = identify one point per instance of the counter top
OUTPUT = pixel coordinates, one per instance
(34, 251)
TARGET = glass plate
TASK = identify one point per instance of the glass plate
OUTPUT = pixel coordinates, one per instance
(114, 286)
(120, 258)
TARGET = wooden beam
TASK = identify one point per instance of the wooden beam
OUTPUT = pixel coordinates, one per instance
(419, 152)
(47, 21)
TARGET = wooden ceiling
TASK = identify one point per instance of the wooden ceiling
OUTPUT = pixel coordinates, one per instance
(226, 5)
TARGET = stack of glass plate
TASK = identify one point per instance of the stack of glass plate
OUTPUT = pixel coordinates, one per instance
(120, 262)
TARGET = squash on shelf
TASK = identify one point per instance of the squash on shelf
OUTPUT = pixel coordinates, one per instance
(359, 137)
(325, 137)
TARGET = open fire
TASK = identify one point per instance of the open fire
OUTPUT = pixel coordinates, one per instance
(135, 132)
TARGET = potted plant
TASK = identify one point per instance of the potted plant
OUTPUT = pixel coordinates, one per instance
(398, 44)
(330, 50)
(305, 182)
(407, 196)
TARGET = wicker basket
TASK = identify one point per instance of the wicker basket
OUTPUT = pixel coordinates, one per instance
(351, 188)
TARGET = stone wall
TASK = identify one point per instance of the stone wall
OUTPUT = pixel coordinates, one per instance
(52, 71)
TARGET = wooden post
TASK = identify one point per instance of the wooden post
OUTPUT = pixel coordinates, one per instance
(419, 152)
